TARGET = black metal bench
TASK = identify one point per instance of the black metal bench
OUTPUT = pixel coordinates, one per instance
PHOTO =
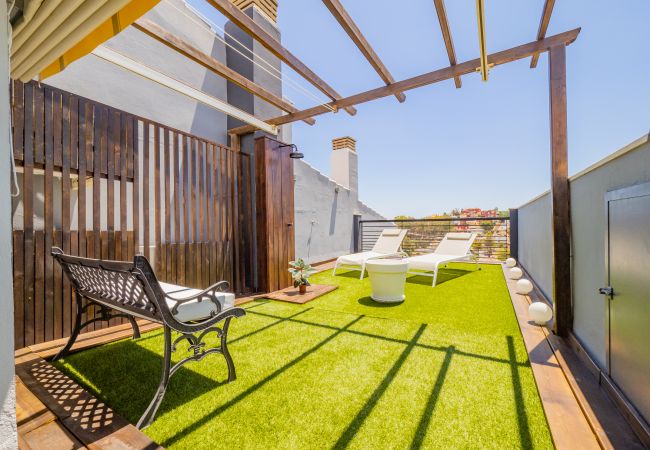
(131, 290)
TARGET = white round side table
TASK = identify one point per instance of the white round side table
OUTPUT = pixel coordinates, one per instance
(387, 278)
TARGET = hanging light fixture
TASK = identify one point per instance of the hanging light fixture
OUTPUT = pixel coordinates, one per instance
(480, 15)
(295, 154)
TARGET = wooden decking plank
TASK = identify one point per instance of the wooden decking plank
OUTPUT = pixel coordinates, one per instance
(31, 413)
(569, 427)
(89, 420)
(92, 338)
(53, 435)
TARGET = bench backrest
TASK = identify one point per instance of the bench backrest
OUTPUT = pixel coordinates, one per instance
(130, 287)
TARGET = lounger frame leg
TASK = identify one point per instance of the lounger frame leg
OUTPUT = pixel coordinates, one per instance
(363, 270)
(336, 266)
(435, 275)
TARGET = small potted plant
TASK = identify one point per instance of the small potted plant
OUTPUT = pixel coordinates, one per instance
(300, 273)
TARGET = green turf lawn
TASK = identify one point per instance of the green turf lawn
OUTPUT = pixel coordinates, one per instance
(445, 369)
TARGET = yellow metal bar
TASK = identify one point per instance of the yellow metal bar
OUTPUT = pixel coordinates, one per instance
(480, 15)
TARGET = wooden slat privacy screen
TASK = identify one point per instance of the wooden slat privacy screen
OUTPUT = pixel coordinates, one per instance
(191, 203)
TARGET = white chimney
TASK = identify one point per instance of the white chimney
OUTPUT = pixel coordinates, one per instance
(344, 163)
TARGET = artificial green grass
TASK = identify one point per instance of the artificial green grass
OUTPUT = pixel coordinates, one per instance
(445, 369)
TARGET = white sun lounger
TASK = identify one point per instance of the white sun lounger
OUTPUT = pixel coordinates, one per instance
(453, 247)
(388, 244)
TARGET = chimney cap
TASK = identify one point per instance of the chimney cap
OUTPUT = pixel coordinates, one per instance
(344, 142)
(268, 7)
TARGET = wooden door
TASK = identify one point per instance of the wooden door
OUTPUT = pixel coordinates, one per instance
(275, 213)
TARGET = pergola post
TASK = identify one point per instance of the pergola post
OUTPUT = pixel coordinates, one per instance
(560, 195)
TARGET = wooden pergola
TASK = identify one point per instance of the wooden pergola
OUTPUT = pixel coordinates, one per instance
(554, 45)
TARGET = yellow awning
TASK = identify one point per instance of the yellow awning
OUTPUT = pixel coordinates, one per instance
(65, 31)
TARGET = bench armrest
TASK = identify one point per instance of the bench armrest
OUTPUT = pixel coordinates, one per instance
(195, 327)
(207, 294)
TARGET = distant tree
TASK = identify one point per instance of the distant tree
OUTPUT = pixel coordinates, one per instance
(487, 225)
(403, 224)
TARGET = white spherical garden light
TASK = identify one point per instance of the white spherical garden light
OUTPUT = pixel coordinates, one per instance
(540, 313)
(524, 286)
(515, 273)
(511, 262)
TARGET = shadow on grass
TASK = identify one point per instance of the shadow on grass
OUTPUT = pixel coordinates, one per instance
(374, 398)
(351, 274)
(522, 418)
(368, 301)
(220, 409)
(427, 414)
(444, 275)
(125, 376)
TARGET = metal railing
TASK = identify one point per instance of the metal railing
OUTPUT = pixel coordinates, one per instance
(424, 235)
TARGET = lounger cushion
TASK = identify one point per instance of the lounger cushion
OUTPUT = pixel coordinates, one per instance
(429, 261)
(356, 259)
(195, 310)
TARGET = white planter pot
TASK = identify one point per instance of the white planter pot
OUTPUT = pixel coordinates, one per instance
(387, 278)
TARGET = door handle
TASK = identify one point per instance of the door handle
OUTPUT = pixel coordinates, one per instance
(608, 290)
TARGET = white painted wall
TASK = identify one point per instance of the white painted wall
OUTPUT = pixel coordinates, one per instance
(535, 251)
(7, 387)
(104, 82)
(626, 167)
(324, 213)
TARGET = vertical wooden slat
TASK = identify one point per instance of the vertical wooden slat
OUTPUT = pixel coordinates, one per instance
(19, 278)
(168, 231)
(113, 142)
(48, 221)
(186, 211)
(193, 212)
(31, 138)
(223, 245)
(57, 286)
(201, 212)
(123, 181)
(69, 129)
(156, 172)
(135, 144)
(209, 198)
(177, 202)
(236, 226)
(39, 151)
(18, 118)
(146, 206)
(560, 195)
(85, 139)
(97, 166)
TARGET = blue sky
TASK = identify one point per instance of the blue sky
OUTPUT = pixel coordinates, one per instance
(486, 144)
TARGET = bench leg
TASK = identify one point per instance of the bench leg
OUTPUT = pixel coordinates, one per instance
(75, 330)
(136, 328)
(150, 413)
(232, 374)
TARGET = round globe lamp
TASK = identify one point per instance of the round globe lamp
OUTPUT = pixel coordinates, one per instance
(515, 273)
(511, 262)
(540, 313)
(524, 286)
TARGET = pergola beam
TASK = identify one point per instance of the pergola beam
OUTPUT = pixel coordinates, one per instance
(499, 58)
(543, 26)
(446, 35)
(351, 28)
(253, 29)
(186, 49)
